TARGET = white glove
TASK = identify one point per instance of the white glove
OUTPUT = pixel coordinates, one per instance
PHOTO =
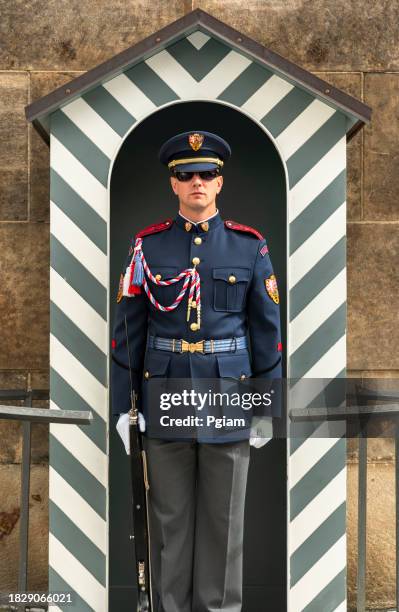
(258, 442)
(122, 428)
(261, 431)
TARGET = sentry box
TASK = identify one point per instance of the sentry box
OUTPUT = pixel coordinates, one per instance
(287, 177)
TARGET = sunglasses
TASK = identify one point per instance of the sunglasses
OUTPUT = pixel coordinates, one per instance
(206, 175)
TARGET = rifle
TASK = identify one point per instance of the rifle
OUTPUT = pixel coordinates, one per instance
(140, 486)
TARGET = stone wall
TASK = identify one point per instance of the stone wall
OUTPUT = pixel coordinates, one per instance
(354, 45)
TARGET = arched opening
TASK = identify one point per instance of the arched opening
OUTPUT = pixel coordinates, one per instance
(254, 193)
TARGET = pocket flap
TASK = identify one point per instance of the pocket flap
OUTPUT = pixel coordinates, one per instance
(156, 362)
(241, 274)
(234, 366)
(165, 271)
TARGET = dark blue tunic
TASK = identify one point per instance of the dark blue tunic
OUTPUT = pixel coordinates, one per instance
(229, 310)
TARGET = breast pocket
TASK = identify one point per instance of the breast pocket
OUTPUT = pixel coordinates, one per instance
(164, 294)
(230, 288)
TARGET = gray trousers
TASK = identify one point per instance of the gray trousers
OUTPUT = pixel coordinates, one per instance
(196, 518)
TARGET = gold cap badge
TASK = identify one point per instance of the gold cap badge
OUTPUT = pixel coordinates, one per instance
(271, 288)
(195, 141)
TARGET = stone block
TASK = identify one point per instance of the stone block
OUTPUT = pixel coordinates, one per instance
(76, 35)
(13, 146)
(381, 153)
(24, 295)
(373, 299)
(328, 35)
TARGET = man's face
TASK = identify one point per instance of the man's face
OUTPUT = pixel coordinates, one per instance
(197, 193)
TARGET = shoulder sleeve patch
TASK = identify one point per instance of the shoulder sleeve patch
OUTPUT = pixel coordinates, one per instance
(120, 289)
(272, 289)
(243, 228)
(155, 228)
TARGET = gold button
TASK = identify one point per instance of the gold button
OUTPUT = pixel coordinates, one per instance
(197, 240)
(242, 376)
(193, 304)
(196, 261)
(158, 276)
(194, 326)
(146, 374)
(232, 279)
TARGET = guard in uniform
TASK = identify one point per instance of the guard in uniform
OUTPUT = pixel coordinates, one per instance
(193, 290)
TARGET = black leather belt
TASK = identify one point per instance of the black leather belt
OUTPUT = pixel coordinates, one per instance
(202, 346)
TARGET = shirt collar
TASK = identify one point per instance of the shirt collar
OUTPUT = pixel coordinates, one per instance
(204, 225)
(202, 220)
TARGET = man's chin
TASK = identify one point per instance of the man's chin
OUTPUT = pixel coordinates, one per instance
(197, 203)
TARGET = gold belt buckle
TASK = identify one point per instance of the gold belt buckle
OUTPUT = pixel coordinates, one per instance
(193, 347)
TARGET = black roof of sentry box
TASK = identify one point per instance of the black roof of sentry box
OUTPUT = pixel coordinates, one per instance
(38, 112)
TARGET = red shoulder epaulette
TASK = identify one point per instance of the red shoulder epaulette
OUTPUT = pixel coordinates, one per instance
(155, 227)
(243, 228)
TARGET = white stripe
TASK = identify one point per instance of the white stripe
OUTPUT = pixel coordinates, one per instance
(129, 96)
(93, 126)
(87, 186)
(76, 575)
(82, 448)
(267, 96)
(317, 245)
(173, 74)
(185, 86)
(78, 310)
(319, 576)
(332, 362)
(223, 74)
(342, 607)
(308, 454)
(79, 244)
(198, 39)
(317, 510)
(303, 127)
(317, 311)
(301, 394)
(78, 377)
(317, 179)
(77, 509)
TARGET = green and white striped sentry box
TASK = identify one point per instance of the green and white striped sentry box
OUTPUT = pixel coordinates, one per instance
(85, 123)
